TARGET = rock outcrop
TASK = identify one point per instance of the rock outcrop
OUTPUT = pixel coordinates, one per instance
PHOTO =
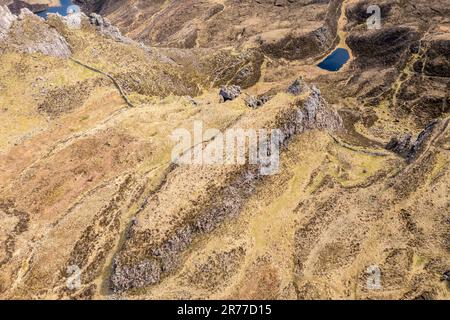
(229, 93)
(106, 28)
(31, 34)
(411, 149)
(258, 101)
(6, 20)
(297, 87)
(151, 252)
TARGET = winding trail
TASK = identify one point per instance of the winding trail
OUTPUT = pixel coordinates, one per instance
(116, 84)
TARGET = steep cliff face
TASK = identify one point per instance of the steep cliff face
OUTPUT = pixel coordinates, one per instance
(88, 180)
(31, 34)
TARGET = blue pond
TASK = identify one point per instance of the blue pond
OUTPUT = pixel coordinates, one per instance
(62, 9)
(335, 60)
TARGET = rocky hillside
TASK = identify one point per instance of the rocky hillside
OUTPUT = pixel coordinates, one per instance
(92, 205)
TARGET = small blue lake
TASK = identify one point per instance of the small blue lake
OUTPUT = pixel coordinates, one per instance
(335, 60)
(63, 9)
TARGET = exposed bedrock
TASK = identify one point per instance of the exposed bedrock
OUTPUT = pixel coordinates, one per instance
(151, 251)
(31, 34)
(6, 20)
(408, 148)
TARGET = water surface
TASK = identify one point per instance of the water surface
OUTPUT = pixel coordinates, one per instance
(336, 60)
(63, 9)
